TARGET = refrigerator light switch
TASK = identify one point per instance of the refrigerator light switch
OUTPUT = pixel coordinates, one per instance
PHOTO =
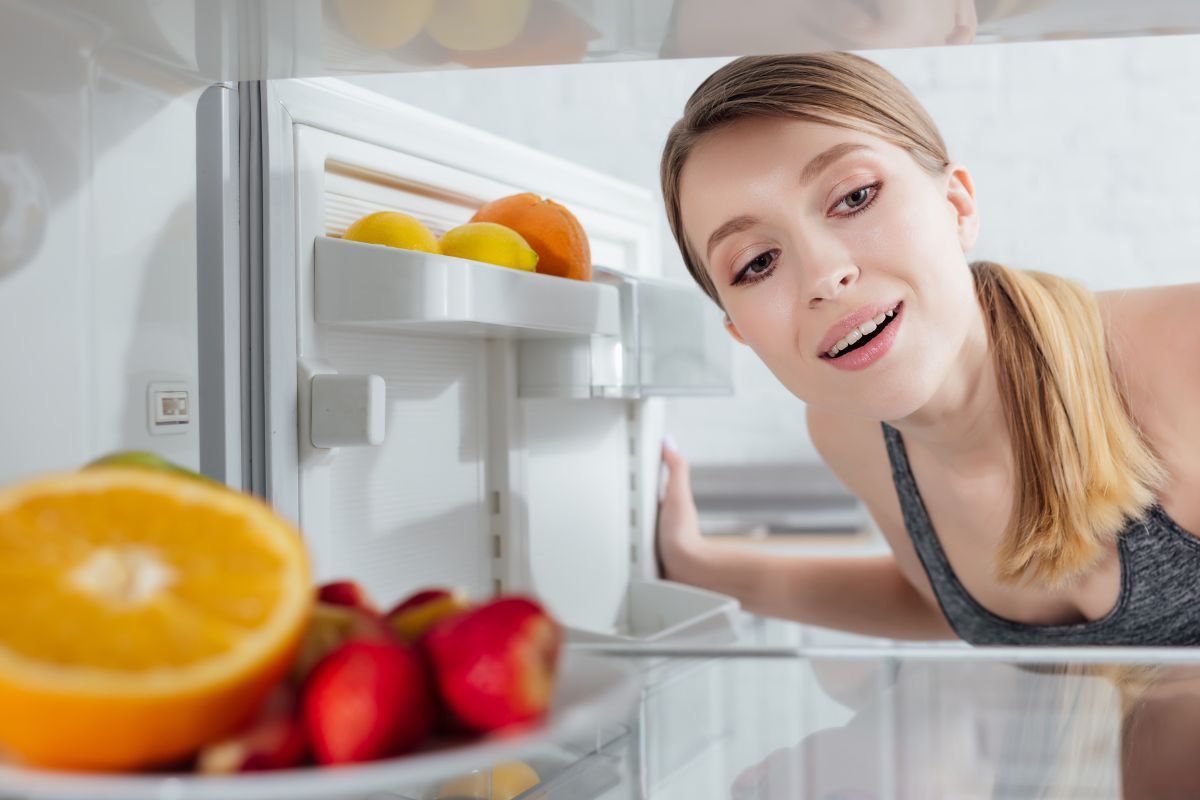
(348, 410)
(168, 408)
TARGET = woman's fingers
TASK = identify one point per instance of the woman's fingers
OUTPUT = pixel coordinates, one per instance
(678, 474)
(678, 530)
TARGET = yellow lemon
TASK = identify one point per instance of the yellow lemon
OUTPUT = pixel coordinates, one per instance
(477, 24)
(508, 780)
(384, 24)
(146, 614)
(394, 230)
(489, 242)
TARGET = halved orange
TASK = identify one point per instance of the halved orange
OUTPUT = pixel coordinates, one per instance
(143, 614)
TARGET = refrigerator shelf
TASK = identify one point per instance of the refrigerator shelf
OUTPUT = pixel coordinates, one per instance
(593, 698)
(386, 289)
(659, 611)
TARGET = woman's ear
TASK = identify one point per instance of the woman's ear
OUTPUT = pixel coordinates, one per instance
(960, 192)
(733, 331)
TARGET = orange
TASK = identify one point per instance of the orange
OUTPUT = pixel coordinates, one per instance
(145, 614)
(551, 230)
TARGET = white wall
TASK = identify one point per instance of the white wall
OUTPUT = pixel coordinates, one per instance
(1084, 153)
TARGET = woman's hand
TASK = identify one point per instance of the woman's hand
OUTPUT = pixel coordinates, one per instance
(679, 539)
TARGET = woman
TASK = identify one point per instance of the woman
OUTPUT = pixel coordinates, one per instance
(1028, 449)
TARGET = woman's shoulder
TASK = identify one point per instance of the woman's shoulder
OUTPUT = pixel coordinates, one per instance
(1154, 348)
(1153, 333)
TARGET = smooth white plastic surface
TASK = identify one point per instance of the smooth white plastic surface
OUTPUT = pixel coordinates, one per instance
(367, 286)
(657, 611)
(348, 410)
(592, 691)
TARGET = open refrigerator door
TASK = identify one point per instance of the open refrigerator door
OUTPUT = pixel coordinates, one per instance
(516, 452)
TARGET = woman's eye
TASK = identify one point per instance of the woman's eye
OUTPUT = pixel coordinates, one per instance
(859, 199)
(757, 268)
(856, 198)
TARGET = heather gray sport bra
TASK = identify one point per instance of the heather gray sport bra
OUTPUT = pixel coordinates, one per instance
(1159, 603)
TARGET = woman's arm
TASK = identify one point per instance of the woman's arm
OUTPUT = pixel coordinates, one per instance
(867, 595)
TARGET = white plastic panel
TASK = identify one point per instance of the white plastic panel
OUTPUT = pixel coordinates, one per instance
(579, 509)
(44, 281)
(409, 512)
(97, 242)
(381, 288)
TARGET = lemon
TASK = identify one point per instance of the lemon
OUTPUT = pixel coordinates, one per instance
(489, 242)
(506, 780)
(384, 24)
(477, 24)
(393, 229)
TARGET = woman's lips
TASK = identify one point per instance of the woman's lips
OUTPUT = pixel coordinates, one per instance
(848, 323)
(872, 351)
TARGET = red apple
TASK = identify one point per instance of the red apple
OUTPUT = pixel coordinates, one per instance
(368, 699)
(274, 740)
(346, 593)
(494, 666)
(415, 615)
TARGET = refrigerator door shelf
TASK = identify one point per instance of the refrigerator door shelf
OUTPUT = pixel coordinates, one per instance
(673, 338)
(671, 344)
(658, 611)
(372, 287)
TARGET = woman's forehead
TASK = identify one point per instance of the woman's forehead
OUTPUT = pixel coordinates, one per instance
(785, 144)
(729, 169)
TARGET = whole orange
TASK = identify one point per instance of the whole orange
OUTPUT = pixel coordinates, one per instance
(551, 230)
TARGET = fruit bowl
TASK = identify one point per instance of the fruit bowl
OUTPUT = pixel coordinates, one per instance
(591, 692)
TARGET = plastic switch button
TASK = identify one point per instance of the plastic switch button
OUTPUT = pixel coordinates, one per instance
(348, 410)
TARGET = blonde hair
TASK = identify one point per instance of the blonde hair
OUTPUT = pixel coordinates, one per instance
(1082, 466)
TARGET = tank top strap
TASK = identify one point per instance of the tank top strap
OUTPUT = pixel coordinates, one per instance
(951, 594)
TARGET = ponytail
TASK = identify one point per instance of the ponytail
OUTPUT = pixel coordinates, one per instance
(1082, 466)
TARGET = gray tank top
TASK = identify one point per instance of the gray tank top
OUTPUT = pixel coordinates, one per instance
(1159, 602)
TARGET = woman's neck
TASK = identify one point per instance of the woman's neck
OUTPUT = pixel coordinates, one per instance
(962, 425)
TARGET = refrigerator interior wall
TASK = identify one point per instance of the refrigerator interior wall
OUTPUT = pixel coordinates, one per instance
(97, 242)
(471, 486)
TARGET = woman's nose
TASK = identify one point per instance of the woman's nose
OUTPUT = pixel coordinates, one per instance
(827, 283)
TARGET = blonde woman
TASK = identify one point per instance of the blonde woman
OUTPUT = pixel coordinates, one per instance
(1030, 450)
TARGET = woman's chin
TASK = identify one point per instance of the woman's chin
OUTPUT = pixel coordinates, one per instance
(896, 401)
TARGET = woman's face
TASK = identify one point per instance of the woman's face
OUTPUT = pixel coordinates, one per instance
(810, 232)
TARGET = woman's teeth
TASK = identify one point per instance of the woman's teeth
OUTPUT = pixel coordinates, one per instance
(864, 330)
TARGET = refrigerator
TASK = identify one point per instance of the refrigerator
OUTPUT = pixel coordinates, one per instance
(175, 180)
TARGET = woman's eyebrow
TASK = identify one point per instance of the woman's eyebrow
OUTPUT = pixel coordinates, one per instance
(822, 160)
(727, 229)
(811, 170)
